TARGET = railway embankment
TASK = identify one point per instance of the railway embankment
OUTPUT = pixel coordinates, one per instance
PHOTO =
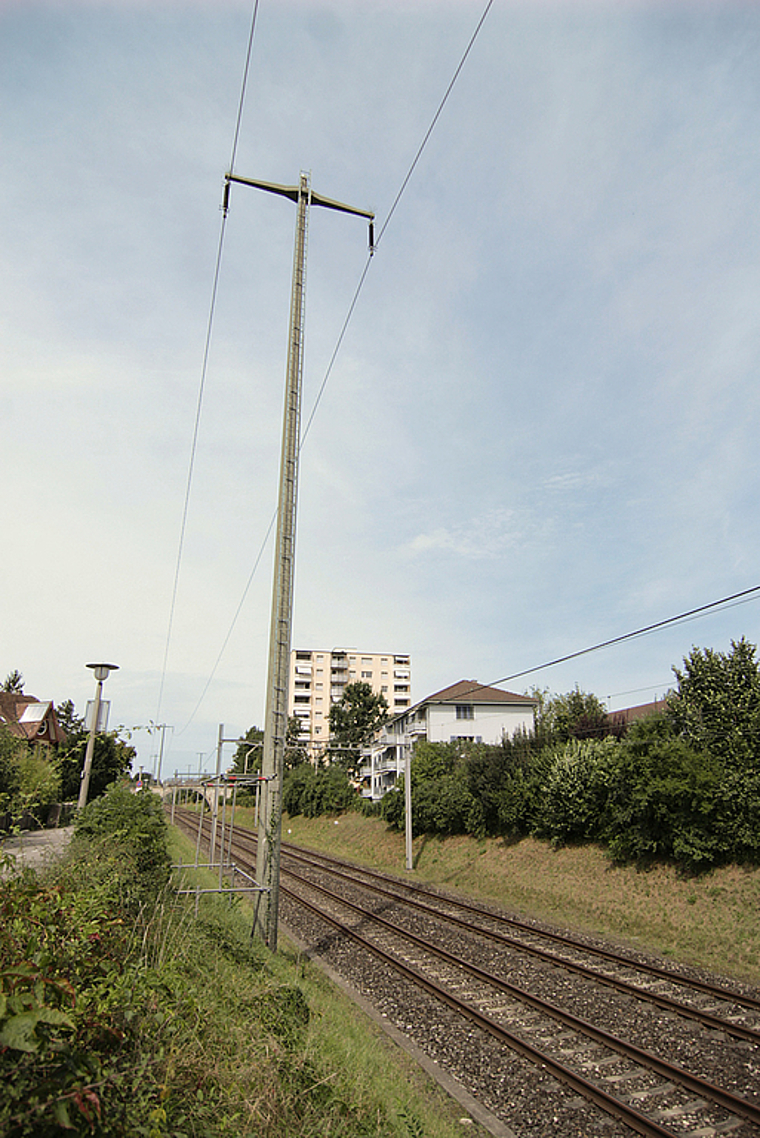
(552, 1031)
(708, 921)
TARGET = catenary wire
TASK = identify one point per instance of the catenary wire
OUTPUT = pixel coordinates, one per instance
(204, 371)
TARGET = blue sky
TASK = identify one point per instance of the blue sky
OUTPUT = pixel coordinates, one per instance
(541, 429)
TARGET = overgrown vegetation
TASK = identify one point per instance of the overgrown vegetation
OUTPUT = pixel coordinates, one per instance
(123, 1014)
(30, 779)
(34, 776)
(682, 785)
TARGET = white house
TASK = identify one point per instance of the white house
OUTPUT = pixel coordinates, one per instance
(466, 710)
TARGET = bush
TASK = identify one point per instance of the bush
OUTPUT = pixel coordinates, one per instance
(314, 792)
(441, 800)
(499, 781)
(666, 800)
(76, 1000)
(29, 778)
(573, 798)
(130, 831)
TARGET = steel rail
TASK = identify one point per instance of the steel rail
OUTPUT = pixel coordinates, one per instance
(619, 984)
(672, 1071)
(590, 1091)
(611, 1104)
(714, 990)
(708, 1019)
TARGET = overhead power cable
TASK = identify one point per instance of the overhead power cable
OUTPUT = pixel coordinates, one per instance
(737, 598)
(344, 326)
(204, 369)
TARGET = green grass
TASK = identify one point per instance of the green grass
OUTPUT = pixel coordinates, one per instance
(709, 921)
(358, 1082)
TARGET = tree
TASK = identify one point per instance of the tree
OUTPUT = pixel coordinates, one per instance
(716, 707)
(248, 755)
(68, 720)
(353, 721)
(14, 682)
(111, 760)
(574, 715)
(295, 751)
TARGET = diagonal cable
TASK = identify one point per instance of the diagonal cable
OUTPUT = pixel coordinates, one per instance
(204, 372)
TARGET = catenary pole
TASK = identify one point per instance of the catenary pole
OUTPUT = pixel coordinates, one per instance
(275, 722)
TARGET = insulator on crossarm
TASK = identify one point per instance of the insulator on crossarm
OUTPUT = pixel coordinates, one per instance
(371, 238)
(226, 198)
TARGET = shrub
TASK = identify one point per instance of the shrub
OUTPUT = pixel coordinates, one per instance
(574, 795)
(131, 827)
(29, 778)
(314, 792)
(499, 780)
(666, 800)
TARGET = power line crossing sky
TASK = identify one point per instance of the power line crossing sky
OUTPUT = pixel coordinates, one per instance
(541, 429)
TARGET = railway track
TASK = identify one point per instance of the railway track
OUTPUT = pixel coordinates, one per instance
(555, 1035)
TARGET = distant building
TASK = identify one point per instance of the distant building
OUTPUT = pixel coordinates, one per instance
(628, 715)
(319, 676)
(466, 711)
(29, 718)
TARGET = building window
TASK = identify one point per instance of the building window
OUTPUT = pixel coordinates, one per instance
(366, 675)
(465, 711)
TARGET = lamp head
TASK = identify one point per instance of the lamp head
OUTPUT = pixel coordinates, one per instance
(102, 670)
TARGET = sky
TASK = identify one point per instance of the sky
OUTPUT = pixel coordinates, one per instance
(540, 429)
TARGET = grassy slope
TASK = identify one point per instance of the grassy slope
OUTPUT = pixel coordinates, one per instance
(710, 921)
(385, 1092)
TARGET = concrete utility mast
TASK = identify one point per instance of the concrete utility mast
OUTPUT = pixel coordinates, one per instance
(275, 724)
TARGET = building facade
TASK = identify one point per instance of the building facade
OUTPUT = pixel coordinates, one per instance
(466, 711)
(318, 677)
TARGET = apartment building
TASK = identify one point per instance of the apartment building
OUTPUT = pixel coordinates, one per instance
(467, 711)
(317, 680)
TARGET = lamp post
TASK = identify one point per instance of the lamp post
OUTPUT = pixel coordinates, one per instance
(101, 674)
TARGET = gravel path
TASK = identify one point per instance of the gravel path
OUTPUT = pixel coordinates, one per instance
(36, 848)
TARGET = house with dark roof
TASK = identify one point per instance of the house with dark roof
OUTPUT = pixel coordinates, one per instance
(29, 718)
(625, 716)
(466, 711)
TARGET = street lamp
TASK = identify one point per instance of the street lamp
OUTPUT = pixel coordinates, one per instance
(101, 673)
